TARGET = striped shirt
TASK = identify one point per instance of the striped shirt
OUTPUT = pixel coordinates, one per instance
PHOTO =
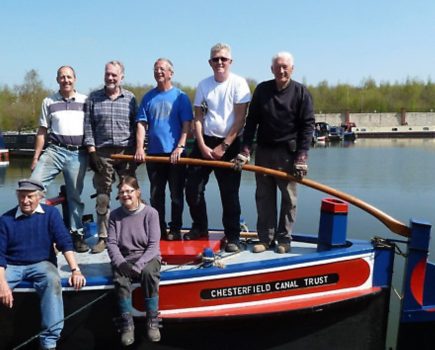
(63, 118)
(110, 123)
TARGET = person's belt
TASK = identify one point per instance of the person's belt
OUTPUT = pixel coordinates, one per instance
(68, 147)
(214, 138)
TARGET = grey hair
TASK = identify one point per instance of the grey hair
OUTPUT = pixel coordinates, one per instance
(117, 64)
(72, 69)
(218, 47)
(284, 54)
(168, 61)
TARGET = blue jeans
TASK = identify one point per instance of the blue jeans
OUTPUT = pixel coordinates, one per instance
(46, 281)
(174, 176)
(73, 165)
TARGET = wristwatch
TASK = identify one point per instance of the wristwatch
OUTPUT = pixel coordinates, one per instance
(75, 270)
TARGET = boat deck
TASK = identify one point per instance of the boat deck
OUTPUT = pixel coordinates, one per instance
(180, 256)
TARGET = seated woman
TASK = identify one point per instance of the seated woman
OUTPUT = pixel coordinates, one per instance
(133, 245)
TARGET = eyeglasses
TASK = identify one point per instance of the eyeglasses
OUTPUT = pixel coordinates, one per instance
(223, 59)
(127, 192)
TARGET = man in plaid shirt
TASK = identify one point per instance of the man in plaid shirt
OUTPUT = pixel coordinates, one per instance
(109, 129)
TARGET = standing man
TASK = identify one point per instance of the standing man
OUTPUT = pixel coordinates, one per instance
(63, 115)
(221, 102)
(167, 112)
(109, 129)
(27, 235)
(281, 116)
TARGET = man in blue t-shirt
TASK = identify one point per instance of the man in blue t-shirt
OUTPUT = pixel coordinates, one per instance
(27, 235)
(166, 113)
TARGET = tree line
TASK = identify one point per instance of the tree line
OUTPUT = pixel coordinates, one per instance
(20, 105)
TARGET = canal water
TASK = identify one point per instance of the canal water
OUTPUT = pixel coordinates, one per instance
(394, 175)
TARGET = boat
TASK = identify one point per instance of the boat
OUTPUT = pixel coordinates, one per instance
(20, 143)
(323, 132)
(330, 291)
(4, 152)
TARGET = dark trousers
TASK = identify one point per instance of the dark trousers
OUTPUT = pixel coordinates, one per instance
(149, 280)
(174, 176)
(228, 181)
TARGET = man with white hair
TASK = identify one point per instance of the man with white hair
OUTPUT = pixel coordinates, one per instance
(281, 117)
(27, 235)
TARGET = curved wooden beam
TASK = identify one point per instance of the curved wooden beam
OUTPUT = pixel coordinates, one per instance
(393, 224)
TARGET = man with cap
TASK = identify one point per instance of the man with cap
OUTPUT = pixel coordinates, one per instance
(27, 235)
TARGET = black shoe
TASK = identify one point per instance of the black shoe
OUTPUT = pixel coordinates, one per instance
(80, 245)
(232, 247)
(163, 233)
(173, 235)
(195, 234)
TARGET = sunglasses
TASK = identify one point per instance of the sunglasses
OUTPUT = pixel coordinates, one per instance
(217, 59)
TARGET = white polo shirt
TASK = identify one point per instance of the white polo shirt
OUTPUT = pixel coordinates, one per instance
(64, 118)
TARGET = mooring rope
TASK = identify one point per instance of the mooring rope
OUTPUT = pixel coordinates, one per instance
(62, 320)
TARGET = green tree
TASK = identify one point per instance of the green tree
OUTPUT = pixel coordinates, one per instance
(21, 106)
(138, 90)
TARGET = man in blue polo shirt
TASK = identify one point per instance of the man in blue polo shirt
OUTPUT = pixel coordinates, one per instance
(27, 235)
(61, 124)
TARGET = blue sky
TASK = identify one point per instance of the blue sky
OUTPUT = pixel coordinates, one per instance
(340, 41)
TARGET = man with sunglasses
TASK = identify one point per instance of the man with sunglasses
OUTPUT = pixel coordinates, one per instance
(220, 106)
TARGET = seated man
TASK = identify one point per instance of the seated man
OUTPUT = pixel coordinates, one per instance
(27, 235)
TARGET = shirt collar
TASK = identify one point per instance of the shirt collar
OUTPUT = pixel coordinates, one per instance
(121, 92)
(61, 98)
(38, 210)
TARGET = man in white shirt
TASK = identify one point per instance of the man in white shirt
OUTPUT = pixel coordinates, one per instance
(61, 124)
(220, 105)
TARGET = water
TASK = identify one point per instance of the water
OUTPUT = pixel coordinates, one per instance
(394, 175)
